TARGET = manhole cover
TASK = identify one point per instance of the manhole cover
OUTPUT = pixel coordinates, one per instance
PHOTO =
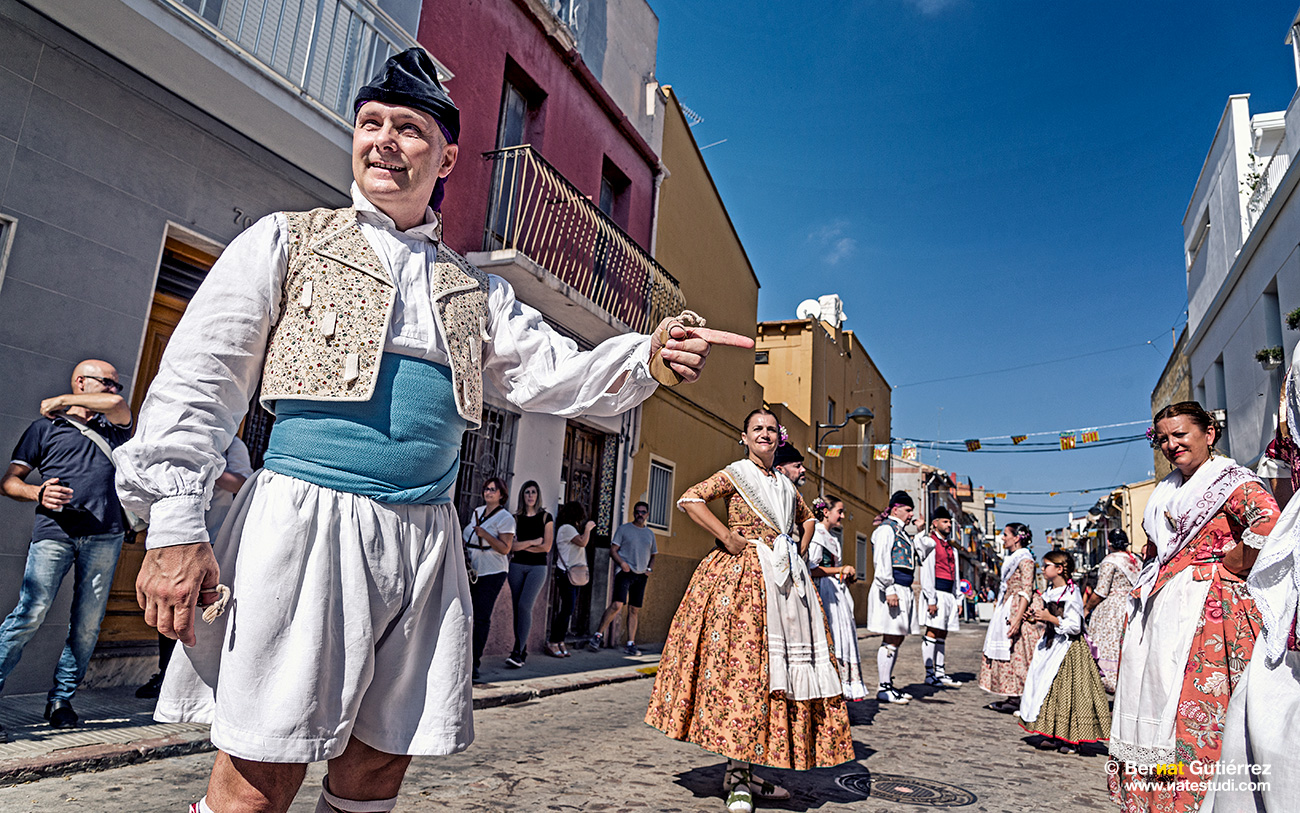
(909, 789)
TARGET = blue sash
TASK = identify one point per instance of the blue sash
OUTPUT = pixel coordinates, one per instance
(400, 447)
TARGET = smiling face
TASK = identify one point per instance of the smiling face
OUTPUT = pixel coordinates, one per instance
(835, 516)
(762, 437)
(491, 495)
(1184, 443)
(398, 155)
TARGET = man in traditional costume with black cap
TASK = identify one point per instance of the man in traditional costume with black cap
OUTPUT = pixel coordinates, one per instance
(789, 461)
(891, 604)
(348, 638)
(940, 602)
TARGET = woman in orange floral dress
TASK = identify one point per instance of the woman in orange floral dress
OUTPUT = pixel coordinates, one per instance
(1193, 626)
(729, 677)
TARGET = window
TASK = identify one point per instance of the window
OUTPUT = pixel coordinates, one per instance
(830, 410)
(863, 556)
(613, 201)
(660, 494)
(864, 445)
(209, 10)
(518, 123)
(1198, 240)
(7, 225)
(760, 357)
(488, 451)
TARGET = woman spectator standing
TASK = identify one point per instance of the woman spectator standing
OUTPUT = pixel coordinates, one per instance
(833, 577)
(534, 534)
(488, 537)
(1108, 605)
(1011, 637)
(747, 671)
(570, 560)
(1194, 624)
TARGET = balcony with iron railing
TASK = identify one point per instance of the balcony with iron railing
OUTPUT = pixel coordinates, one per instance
(1264, 183)
(566, 257)
(324, 49)
(281, 72)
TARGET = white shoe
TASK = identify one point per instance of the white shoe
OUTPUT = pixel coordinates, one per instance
(888, 694)
(949, 682)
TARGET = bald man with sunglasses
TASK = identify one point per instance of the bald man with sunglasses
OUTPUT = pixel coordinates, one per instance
(79, 524)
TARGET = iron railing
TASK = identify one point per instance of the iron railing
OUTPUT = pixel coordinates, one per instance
(324, 49)
(1265, 184)
(535, 210)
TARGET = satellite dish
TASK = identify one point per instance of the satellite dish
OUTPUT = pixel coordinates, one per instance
(809, 309)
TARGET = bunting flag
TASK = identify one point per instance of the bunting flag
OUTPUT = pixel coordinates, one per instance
(1091, 436)
(909, 452)
(972, 445)
(1067, 440)
(880, 452)
(834, 451)
(1018, 439)
(1002, 496)
(1053, 493)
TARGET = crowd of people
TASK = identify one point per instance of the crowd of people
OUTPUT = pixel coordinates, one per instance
(358, 588)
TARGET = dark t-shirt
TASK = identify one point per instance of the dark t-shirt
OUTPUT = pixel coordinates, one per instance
(527, 528)
(58, 449)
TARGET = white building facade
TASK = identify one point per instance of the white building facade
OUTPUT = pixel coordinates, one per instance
(1241, 236)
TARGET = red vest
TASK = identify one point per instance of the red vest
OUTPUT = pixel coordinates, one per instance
(944, 567)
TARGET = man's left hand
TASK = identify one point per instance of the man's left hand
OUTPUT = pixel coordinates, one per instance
(688, 348)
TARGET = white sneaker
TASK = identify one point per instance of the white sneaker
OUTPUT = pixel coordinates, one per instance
(888, 694)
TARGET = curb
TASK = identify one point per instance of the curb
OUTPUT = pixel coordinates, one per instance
(102, 757)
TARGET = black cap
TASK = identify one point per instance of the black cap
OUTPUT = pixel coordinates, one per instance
(410, 79)
(901, 498)
(941, 513)
(1118, 539)
(786, 453)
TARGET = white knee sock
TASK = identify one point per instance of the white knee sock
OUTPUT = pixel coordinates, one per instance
(201, 806)
(927, 654)
(329, 803)
(885, 662)
(938, 656)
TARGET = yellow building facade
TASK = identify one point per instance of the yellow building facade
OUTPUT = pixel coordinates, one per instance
(691, 431)
(814, 372)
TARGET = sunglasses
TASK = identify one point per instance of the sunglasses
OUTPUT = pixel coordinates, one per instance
(115, 386)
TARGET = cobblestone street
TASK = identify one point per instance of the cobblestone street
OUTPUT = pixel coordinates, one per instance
(589, 751)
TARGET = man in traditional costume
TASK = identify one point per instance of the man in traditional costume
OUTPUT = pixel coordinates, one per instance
(891, 604)
(349, 637)
(939, 597)
(789, 461)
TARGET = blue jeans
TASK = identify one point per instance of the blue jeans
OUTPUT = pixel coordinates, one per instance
(48, 561)
(526, 583)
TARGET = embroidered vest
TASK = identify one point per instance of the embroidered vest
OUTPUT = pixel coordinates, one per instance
(336, 306)
(902, 556)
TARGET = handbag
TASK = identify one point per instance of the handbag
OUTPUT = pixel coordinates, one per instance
(133, 520)
(578, 575)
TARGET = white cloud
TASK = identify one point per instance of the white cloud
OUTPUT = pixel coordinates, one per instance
(931, 8)
(831, 239)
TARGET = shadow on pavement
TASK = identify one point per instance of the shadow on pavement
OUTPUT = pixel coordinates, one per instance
(809, 790)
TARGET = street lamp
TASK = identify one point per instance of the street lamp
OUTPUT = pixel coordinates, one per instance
(861, 416)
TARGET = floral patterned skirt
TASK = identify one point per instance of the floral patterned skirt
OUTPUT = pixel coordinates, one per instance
(1221, 647)
(1008, 677)
(1106, 631)
(712, 687)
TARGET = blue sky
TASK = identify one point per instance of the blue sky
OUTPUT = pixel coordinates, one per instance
(986, 185)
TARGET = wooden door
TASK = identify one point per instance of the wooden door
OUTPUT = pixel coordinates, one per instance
(581, 472)
(124, 620)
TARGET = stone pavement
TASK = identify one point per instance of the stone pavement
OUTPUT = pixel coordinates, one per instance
(117, 728)
(590, 751)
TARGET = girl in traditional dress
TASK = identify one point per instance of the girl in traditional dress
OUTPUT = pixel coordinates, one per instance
(1261, 741)
(826, 565)
(1192, 626)
(1012, 635)
(747, 670)
(1063, 699)
(1108, 605)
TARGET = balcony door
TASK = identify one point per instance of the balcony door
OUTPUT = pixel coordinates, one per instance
(503, 212)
